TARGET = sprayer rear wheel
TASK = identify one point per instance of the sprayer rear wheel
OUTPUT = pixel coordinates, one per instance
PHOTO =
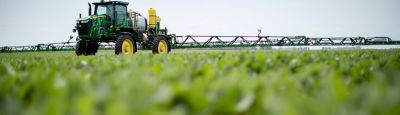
(161, 45)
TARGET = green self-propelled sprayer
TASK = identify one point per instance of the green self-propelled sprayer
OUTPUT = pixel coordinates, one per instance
(111, 21)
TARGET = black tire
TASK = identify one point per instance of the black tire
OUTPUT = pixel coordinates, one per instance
(92, 48)
(156, 42)
(169, 46)
(79, 48)
(119, 42)
(86, 48)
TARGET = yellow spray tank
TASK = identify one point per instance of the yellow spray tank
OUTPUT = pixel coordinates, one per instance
(155, 22)
(152, 18)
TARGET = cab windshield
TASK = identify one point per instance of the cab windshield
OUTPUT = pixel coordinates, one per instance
(104, 9)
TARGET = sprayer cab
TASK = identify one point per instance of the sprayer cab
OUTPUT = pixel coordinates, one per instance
(115, 10)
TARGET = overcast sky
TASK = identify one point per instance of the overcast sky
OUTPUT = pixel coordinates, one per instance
(29, 22)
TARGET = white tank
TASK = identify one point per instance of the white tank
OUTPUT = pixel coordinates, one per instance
(139, 22)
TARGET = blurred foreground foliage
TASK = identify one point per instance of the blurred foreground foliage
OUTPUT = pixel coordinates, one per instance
(243, 82)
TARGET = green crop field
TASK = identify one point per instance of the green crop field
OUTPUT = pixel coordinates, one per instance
(354, 82)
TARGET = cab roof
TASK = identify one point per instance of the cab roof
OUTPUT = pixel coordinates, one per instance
(111, 2)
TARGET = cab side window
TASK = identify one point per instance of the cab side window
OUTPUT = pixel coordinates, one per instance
(121, 14)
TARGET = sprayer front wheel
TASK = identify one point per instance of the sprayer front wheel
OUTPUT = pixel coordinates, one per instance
(125, 45)
(86, 48)
(79, 48)
(92, 48)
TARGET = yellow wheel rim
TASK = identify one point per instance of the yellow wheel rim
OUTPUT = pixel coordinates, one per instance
(127, 47)
(162, 47)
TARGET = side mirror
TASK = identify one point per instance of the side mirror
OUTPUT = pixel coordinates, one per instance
(70, 38)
